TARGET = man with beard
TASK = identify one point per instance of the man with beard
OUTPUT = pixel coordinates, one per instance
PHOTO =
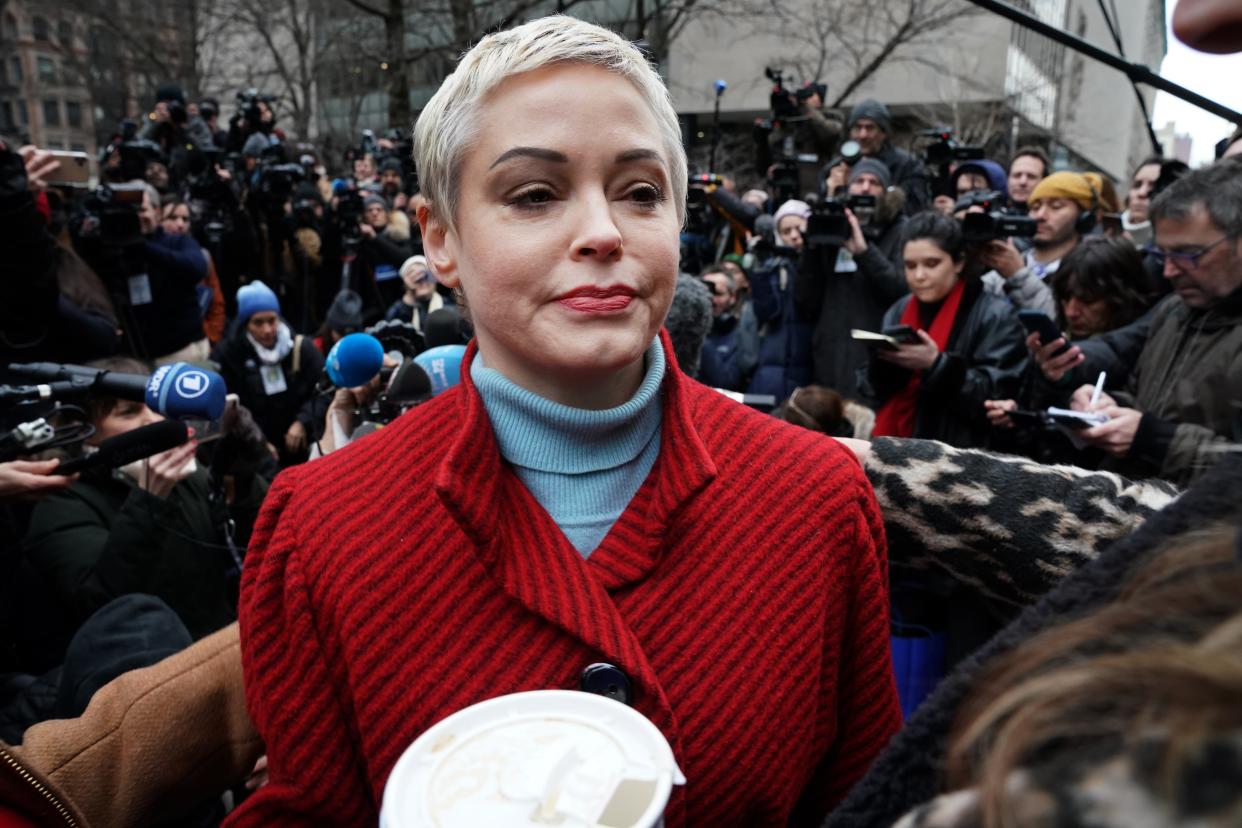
(1065, 205)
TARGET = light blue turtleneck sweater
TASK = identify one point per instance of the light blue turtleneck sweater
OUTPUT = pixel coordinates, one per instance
(582, 466)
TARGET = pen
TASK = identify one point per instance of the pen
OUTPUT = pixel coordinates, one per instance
(1095, 394)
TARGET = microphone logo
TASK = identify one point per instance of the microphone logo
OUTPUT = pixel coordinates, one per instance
(192, 384)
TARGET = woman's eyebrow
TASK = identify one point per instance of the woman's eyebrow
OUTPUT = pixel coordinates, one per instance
(638, 155)
(531, 152)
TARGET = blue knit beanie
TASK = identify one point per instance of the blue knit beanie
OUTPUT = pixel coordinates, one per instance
(253, 298)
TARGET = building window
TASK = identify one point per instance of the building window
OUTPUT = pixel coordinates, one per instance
(51, 113)
(73, 113)
(10, 27)
(6, 115)
(64, 33)
(45, 69)
(42, 32)
(16, 65)
(23, 115)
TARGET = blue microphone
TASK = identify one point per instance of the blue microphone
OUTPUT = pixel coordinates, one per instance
(182, 390)
(354, 360)
(720, 86)
(443, 366)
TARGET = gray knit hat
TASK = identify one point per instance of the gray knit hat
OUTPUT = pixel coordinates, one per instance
(874, 166)
(873, 109)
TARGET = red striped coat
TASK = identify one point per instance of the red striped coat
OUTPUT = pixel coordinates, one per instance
(743, 591)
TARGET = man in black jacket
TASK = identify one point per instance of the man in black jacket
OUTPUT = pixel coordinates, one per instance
(871, 125)
(385, 247)
(866, 278)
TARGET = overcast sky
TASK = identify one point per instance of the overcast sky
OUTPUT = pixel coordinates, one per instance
(1217, 77)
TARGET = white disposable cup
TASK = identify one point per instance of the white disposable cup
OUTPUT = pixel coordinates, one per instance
(545, 757)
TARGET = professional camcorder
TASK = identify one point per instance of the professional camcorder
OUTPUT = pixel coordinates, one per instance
(944, 150)
(987, 219)
(110, 214)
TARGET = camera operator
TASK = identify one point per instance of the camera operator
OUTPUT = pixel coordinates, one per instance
(871, 125)
(173, 130)
(864, 280)
(808, 125)
(274, 373)
(391, 182)
(384, 248)
(39, 322)
(209, 111)
(1029, 167)
(254, 116)
(784, 336)
(154, 282)
(1065, 205)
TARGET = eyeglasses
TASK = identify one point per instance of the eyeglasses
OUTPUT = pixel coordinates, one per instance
(1183, 261)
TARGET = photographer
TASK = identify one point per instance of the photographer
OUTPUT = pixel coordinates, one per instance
(384, 248)
(172, 128)
(806, 123)
(969, 346)
(39, 322)
(391, 183)
(274, 373)
(864, 279)
(254, 116)
(784, 336)
(871, 125)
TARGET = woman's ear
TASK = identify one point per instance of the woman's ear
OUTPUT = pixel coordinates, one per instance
(439, 246)
(959, 265)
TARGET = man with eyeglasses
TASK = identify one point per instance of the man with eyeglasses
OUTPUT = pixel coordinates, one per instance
(1174, 377)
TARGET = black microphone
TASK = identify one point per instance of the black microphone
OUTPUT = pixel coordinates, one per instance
(123, 386)
(133, 445)
(60, 389)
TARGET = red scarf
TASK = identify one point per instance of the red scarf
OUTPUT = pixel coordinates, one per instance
(897, 415)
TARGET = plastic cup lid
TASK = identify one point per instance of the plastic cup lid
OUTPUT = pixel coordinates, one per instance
(544, 757)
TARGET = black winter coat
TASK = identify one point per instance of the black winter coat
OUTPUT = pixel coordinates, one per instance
(274, 413)
(909, 174)
(104, 537)
(984, 360)
(838, 302)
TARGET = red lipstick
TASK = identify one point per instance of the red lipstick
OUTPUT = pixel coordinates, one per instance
(597, 300)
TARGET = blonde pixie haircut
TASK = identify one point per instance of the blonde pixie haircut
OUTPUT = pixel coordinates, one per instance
(447, 126)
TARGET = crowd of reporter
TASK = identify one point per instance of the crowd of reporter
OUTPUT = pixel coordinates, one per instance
(236, 248)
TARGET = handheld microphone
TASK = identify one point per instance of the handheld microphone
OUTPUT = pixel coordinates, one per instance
(409, 384)
(137, 444)
(442, 365)
(177, 390)
(354, 361)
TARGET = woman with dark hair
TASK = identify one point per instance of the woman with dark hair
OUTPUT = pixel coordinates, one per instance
(969, 343)
(1099, 287)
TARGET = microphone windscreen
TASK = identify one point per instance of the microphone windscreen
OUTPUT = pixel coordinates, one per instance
(137, 444)
(409, 384)
(185, 390)
(442, 365)
(354, 360)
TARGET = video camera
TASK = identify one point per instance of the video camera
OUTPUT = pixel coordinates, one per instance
(248, 104)
(349, 212)
(944, 150)
(110, 214)
(828, 226)
(134, 154)
(990, 221)
(277, 176)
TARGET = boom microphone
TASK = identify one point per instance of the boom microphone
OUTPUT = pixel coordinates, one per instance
(137, 444)
(179, 390)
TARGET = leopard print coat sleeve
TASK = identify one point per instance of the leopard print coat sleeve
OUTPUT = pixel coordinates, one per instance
(1008, 526)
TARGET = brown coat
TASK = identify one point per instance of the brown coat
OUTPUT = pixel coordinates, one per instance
(150, 742)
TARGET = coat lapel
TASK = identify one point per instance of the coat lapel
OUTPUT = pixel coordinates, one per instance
(530, 558)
